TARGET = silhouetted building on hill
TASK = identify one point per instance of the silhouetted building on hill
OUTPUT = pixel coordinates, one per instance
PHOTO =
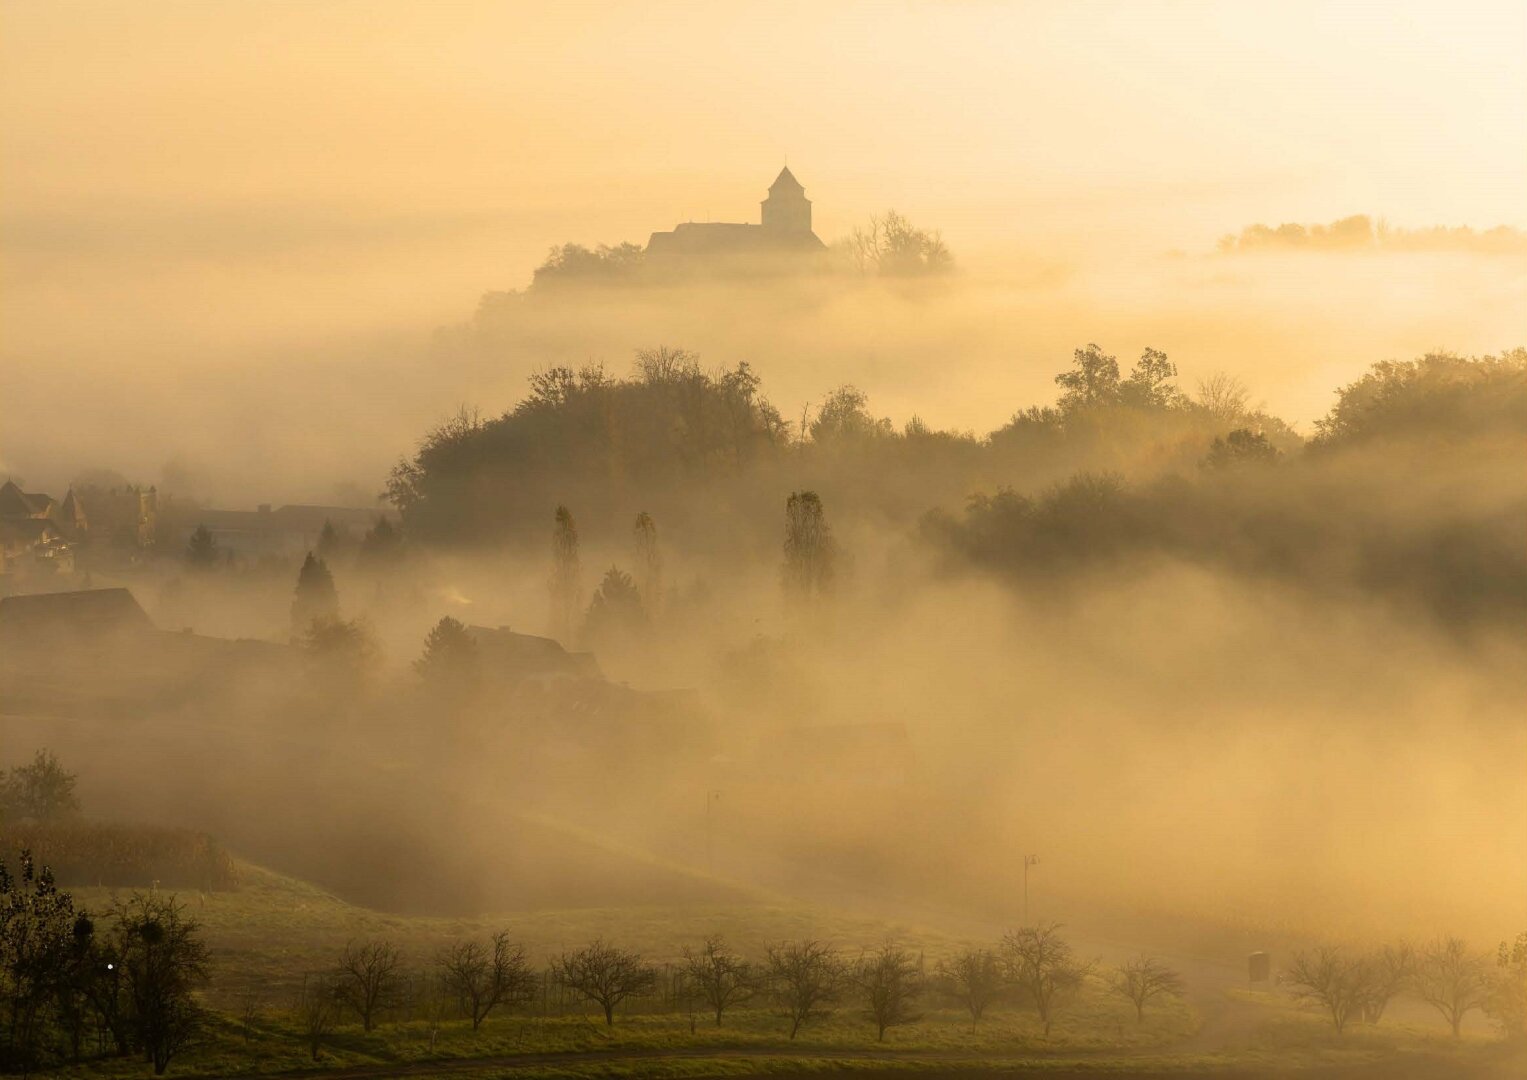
(783, 233)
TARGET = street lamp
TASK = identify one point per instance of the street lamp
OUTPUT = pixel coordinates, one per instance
(712, 796)
(1028, 861)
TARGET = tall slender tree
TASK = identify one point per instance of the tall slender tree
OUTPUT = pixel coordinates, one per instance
(809, 548)
(565, 576)
(649, 562)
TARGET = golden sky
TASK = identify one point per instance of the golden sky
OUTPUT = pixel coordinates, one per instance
(183, 181)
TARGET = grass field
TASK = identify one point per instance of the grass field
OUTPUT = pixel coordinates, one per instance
(275, 931)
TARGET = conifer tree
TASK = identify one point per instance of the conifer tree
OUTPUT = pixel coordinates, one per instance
(315, 597)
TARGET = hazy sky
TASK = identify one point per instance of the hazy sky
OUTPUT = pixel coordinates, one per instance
(182, 180)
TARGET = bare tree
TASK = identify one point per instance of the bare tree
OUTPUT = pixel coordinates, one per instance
(1391, 969)
(316, 1011)
(482, 979)
(1452, 980)
(889, 984)
(804, 978)
(1223, 395)
(1041, 964)
(1340, 984)
(974, 979)
(605, 975)
(1142, 979)
(366, 979)
(721, 978)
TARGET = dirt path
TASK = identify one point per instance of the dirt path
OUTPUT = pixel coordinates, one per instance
(949, 1065)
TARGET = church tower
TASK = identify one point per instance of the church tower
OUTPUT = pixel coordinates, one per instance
(787, 211)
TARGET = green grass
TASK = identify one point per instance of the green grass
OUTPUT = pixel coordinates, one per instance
(266, 937)
(275, 930)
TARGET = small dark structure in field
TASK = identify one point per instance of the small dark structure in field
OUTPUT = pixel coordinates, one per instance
(1259, 967)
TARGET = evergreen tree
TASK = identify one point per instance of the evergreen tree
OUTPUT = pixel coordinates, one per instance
(202, 552)
(316, 597)
(329, 540)
(382, 545)
(616, 610)
(450, 656)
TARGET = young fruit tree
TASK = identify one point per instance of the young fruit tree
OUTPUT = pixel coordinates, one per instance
(888, 983)
(1142, 979)
(367, 978)
(1040, 964)
(1452, 980)
(721, 977)
(804, 978)
(605, 975)
(974, 979)
(482, 979)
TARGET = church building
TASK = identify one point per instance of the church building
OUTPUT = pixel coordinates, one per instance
(784, 229)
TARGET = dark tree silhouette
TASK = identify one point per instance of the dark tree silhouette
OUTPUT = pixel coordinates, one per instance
(482, 979)
(316, 597)
(804, 979)
(367, 978)
(202, 552)
(1143, 979)
(605, 975)
(974, 978)
(888, 983)
(722, 978)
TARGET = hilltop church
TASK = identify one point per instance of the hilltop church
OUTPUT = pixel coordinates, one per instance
(784, 231)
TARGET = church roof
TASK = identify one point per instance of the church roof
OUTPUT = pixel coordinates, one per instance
(786, 182)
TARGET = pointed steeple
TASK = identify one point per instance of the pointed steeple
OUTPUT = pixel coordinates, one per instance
(786, 182)
(787, 210)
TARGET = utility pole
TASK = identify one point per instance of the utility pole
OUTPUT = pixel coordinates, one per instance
(712, 796)
(1028, 861)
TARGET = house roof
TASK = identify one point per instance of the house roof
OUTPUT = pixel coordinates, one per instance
(291, 518)
(17, 503)
(89, 612)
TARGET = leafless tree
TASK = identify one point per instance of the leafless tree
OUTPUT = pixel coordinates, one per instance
(316, 1011)
(1391, 969)
(1339, 983)
(1452, 980)
(605, 975)
(1142, 979)
(1041, 964)
(804, 978)
(720, 978)
(1223, 396)
(482, 978)
(366, 979)
(974, 978)
(889, 983)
